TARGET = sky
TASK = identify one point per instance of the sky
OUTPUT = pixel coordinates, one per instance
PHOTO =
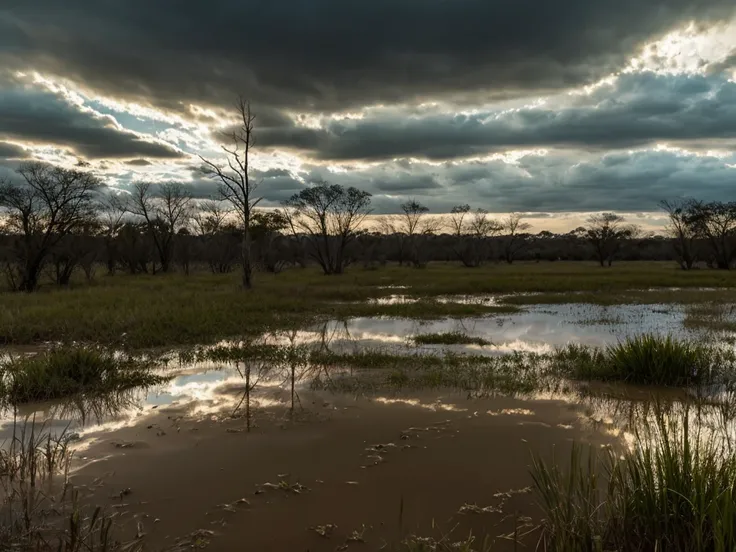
(553, 109)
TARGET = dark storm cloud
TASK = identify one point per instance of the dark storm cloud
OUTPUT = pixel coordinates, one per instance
(327, 54)
(637, 109)
(553, 183)
(34, 115)
(11, 151)
(408, 184)
(138, 162)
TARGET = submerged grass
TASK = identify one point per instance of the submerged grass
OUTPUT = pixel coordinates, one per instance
(675, 490)
(168, 310)
(68, 371)
(449, 338)
(644, 360)
(712, 316)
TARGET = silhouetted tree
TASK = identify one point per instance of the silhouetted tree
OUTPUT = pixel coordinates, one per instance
(78, 249)
(472, 230)
(49, 204)
(266, 227)
(134, 247)
(330, 216)
(515, 239)
(408, 228)
(682, 231)
(220, 239)
(715, 222)
(606, 233)
(236, 184)
(164, 209)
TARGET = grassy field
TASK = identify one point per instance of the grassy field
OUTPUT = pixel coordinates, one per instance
(167, 310)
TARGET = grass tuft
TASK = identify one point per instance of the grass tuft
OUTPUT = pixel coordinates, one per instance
(68, 371)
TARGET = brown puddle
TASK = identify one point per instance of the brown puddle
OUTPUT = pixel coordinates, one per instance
(428, 463)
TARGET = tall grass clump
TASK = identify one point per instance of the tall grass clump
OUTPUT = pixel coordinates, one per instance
(39, 509)
(67, 371)
(675, 490)
(646, 359)
(659, 360)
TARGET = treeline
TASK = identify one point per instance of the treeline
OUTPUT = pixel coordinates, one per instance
(58, 222)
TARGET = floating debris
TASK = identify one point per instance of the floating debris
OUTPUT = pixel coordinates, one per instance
(324, 531)
(295, 488)
(475, 509)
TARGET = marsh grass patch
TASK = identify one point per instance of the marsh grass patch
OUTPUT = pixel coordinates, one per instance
(649, 360)
(66, 371)
(674, 489)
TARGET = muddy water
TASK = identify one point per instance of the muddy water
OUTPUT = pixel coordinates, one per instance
(382, 467)
(196, 391)
(367, 471)
(341, 472)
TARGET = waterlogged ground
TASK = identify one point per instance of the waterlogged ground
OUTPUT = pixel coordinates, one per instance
(200, 461)
(538, 328)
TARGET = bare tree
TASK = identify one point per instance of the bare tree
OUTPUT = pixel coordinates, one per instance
(515, 239)
(51, 203)
(236, 185)
(165, 210)
(716, 223)
(606, 233)
(481, 225)
(413, 217)
(408, 229)
(330, 216)
(457, 219)
(683, 233)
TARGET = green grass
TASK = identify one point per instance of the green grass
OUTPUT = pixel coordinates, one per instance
(170, 310)
(646, 359)
(68, 371)
(449, 338)
(675, 490)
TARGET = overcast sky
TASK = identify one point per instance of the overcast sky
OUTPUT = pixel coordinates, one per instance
(547, 108)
